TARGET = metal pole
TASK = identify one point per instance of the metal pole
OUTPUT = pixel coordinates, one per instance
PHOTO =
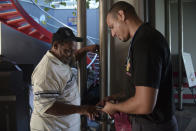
(103, 47)
(146, 11)
(0, 41)
(149, 6)
(82, 73)
(180, 51)
(103, 51)
(168, 22)
(110, 53)
(140, 7)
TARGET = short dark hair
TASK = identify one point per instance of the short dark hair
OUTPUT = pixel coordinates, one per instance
(63, 35)
(128, 9)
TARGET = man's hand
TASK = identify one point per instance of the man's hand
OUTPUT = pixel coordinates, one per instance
(112, 99)
(93, 48)
(109, 108)
(90, 111)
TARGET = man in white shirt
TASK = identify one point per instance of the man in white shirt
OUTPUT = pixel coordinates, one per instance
(56, 97)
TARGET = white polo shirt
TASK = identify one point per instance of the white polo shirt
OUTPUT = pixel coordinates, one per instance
(54, 81)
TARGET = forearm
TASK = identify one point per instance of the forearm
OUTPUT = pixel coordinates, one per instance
(143, 102)
(80, 53)
(131, 106)
(60, 109)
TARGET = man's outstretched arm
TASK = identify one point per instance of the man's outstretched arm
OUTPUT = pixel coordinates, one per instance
(61, 109)
(81, 52)
(142, 103)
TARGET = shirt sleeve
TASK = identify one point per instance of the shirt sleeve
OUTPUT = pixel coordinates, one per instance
(147, 64)
(47, 88)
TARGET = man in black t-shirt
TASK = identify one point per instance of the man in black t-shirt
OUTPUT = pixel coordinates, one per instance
(149, 69)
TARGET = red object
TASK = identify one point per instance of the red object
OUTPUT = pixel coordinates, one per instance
(13, 15)
(88, 60)
(122, 122)
(186, 96)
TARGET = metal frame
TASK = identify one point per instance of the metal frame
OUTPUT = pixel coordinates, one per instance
(180, 51)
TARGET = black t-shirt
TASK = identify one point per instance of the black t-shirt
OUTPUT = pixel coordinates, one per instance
(150, 65)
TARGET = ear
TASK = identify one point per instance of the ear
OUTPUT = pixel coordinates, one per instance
(121, 15)
(55, 45)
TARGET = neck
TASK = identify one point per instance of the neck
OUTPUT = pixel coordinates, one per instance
(133, 26)
(54, 53)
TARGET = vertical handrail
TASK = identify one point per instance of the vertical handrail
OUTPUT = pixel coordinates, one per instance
(180, 51)
(103, 52)
(168, 23)
(82, 72)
